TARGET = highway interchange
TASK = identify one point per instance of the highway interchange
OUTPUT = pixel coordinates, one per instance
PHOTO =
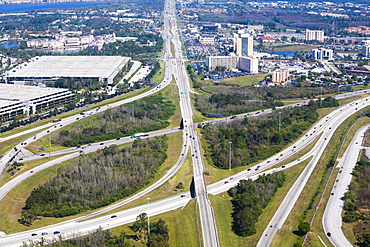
(175, 68)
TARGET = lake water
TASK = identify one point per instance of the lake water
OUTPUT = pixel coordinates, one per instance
(10, 44)
(18, 8)
(282, 53)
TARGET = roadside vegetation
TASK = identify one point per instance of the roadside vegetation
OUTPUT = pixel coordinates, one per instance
(357, 199)
(159, 237)
(249, 198)
(228, 101)
(96, 180)
(254, 139)
(145, 115)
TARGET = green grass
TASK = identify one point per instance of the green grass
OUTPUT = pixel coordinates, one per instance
(10, 144)
(159, 75)
(181, 223)
(171, 92)
(173, 52)
(289, 47)
(223, 209)
(243, 80)
(12, 204)
(25, 168)
(285, 236)
(184, 175)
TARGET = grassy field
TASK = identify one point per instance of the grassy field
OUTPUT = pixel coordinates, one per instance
(173, 52)
(289, 47)
(243, 80)
(27, 166)
(183, 230)
(159, 76)
(223, 209)
(11, 206)
(285, 236)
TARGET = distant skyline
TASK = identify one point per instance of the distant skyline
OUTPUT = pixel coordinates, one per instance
(17, 8)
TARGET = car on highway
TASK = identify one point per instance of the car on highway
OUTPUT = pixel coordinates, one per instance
(329, 234)
(56, 232)
(42, 154)
(101, 143)
(226, 182)
(44, 233)
(182, 195)
(89, 144)
(113, 216)
(34, 234)
(31, 171)
(118, 138)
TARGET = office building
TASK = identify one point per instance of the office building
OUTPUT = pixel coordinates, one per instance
(243, 44)
(232, 62)
(21, 100)
(314, 35)
(322, 54)
(366, 50)
(229, 62)
(248, 64)
(280, 76)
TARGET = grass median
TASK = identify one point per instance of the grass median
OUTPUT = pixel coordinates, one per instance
(11, 206)
(308, 201)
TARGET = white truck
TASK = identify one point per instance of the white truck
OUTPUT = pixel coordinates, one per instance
(138, 135)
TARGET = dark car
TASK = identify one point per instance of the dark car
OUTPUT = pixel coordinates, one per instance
(113, 216)
(329, 234)
(57, 232)
(118, 139)
(102, 143)
(34, 234)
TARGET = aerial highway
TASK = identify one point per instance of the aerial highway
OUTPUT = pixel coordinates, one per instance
(328, 126)
(209, 229)
(175, 68)
(332, 219)
(335, 118)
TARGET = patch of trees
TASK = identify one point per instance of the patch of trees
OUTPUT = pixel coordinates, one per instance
(357, 202)
(98, 238)
(150, 114)
(255, 139)
(14, 167)
(249, 198)
(159, 232)
(129, 48)
(96, 180)
(231, 100)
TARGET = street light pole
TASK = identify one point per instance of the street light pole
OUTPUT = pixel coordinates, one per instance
(147, 214)
(279, 120)
(230, 155)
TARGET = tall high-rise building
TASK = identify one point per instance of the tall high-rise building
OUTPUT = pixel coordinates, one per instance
(243, 44)
(314, 35)
(280, 76)
(366, 50)
(322, 54)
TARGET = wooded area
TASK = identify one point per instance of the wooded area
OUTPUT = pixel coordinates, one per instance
(255, 139)
(357, 202)
(96, 180)
(159, 232)
(234, 100)
(249, 198)
(149, 114)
